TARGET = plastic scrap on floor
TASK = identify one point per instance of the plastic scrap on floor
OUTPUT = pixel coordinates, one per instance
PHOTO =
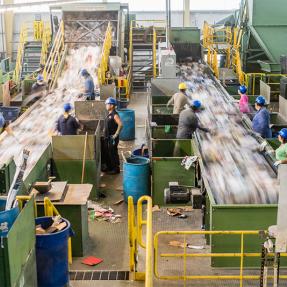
(92, 261)
(155, 208)
(175, 243)
(100, 213)
(118, 202)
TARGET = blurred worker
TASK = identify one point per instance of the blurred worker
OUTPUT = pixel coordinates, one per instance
(97, 91)
(39, 84)
(109, 78)
(113, 127)
(243, 102)
(188, 122)
(67, 124)
(179, 100)
(261, 120)
(2, 122)
(281, 152)
(89, 90)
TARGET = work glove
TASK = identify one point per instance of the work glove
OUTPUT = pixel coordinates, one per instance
(263, 146)
(277, 163)
(114, 136)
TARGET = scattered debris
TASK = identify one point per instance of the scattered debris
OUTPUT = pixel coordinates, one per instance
(118, 202)
(183, 216)
(100, 213)
(92, 261)
(103, 185)
(179, 211)
(57, 225)
(155, 208)
(185, 245)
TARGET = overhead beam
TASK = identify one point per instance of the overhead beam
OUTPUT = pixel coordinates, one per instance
(186, 13)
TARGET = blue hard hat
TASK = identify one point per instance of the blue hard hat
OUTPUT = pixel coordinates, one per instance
(2, 120)
(40, 78)
(84, 72)
(283, 133)
(111, 101)
(242, 89)
(260, 100)
(67, 107)
(196, 104)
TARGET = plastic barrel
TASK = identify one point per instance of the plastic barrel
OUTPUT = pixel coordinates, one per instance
(7, 217)
(122, 103)
(52, 255)
(136, 178)
(128, 118)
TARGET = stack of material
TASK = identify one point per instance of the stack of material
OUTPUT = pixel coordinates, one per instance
(32, 132)
(236, 171)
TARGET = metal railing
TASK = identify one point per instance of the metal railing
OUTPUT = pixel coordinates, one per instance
(212, 60)
(105, 55)
(185, 255)
(46, 42)
(20, 53)
(54, 61)
(154, 61)
(135, 227)
(38, 29)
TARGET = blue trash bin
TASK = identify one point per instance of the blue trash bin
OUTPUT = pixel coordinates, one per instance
(136, 178)
(7, 217)
(128, 119)
(52, 255)
(138, 152)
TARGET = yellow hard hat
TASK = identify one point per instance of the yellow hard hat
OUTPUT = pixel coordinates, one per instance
(182, 86)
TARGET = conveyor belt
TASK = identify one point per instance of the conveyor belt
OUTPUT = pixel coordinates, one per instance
(237, 173)
(31, 131)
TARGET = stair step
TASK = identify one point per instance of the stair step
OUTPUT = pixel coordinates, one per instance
(91, 275)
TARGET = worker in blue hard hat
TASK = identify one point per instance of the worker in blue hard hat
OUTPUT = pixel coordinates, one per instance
(261, 120)
(67, 124)
(2, 122)
(89, 89)
(243, 102)
(180, 99)
(39, 84)
(112, 128)
(281, 152)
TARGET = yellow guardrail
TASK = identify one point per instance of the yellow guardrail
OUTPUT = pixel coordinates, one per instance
(154, 53)
(38, 29)
(54, 60)
(241, 255)
(135, 228)
(20, 53)
(103, 67)
(212, 60)
(49, 210)
(46, 41)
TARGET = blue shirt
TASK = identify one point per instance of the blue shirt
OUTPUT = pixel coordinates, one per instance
(89, 87)
(261, 123)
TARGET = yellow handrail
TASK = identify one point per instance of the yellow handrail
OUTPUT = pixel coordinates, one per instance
(103, 67)
(38, 29)
(154, 53)
(46, 41)
(54, 60)
(20, 53)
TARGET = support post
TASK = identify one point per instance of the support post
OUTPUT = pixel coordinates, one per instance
(186, 13)
(8, 28)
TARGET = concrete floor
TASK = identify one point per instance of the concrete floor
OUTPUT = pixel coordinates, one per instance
(110, 241)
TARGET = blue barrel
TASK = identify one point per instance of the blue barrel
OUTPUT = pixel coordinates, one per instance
(7, 217)
(136, 178)
(122, 103)
(128, 118)
(52, 255)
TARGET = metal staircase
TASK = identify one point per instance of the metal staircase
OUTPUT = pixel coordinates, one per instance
(144, 63)
(31, 58)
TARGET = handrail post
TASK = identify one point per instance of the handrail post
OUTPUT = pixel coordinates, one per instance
(154, 53)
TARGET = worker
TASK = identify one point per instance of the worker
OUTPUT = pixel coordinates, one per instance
(97, 92)
(243, 102)
(188, 122)
(179, 100)
(67, 124)
(261, 120)
(281, 152)
(39, 84)
(2, 122)
(89, 90)
(112, 128)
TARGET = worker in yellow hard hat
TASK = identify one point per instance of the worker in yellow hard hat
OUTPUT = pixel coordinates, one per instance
(180, 99)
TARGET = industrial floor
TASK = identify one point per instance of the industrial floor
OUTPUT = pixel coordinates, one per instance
(109, 241)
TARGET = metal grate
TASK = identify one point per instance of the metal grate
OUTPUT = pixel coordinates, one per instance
(99, 275)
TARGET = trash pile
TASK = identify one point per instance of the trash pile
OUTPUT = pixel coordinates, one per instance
(236, 170)
(100, 213)
(33, 131)
(57, 225)
(179, 212)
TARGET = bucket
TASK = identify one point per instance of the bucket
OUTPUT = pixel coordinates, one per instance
(128, 119)
(52, 255)
(136, 178)
(7, 217)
